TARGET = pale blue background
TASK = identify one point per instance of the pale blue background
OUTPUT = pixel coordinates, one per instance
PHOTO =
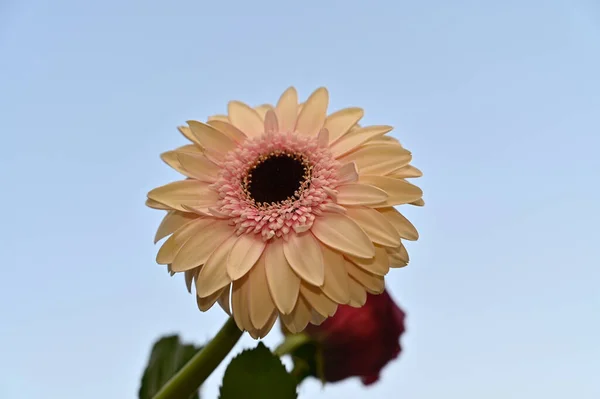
(498, 100)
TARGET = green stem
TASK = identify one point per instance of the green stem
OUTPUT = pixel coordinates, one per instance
(187, 381)
(291, 343)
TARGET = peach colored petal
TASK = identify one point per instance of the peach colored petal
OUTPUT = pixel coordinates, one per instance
(313, 114)
(343, 234)
(263, 331)
(246, 119)
(157, 205)
(398, 256)
(271, 122)
(224, 301)
(418, 202)
(223, 118)
(170, 157)
(358, 294)
(378, 159)
(170, 248)
(260, 303)
(189, 276)
(404, 227)
(348, 173)
(356, 138)
(323, 138)
(211, 138)
(340, 122)
(296, 321)
(317, 300)
(239, 304)
(187, 133)
(383, 140)
(213, 275)
(229, 130)
(185, 192)
(262, 110)
(172, 221)
(377, 226)
(303, 252)
(286, 110)
(379, 265)
(399, 191)
(407, 171)
(360, 194)
(198, 167)
(373, 283)
(206, 303)
(335, 285)
(316, 318)
(245, 253)
(199, 247)
(284, 284)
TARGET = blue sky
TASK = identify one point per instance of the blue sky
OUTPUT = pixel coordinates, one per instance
(498, 101)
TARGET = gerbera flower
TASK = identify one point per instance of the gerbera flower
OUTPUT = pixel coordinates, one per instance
(286, 211)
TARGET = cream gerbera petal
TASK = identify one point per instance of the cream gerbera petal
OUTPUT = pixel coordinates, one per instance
(399, 191)
(335, 285)
(213, 276)
(185, 192)
(403, 226)
(187, 133)
(418, 202)
(286, 110)
(360, 194)
(357, 137)
(262, 110)
(198, 248)
(223, 118)
(284, 284)
(171, 159)
(379, 264)
(171, 247)
(313, 114)
(373, 283)
(343, 234)
(378, 159)
(198, 167)
(398, 257)
(304, 255)
(240, 305)
(296, 321)
(244, 254)
(211, 139)
(348, 173)
(172, 222)
(224, 299)
(245, 118)
(157, 205)
(358, 294)
(405, 172)
(375, 225)
(205, 303)
(340, 122)
(229, 130)
(260, 303)
(317, 300)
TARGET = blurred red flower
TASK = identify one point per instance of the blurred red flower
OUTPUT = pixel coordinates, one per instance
(360, 341)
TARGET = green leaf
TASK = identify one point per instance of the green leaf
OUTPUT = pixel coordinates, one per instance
(257, 374)
(168, 356)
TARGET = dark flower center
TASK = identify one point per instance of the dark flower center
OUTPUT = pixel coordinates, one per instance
(277, 178)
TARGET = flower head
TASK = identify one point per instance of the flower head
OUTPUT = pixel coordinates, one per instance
(286, 212)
